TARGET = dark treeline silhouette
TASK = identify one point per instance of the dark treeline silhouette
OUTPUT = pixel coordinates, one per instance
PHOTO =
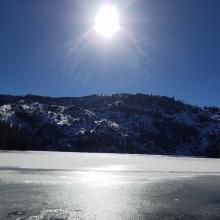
(15, 138)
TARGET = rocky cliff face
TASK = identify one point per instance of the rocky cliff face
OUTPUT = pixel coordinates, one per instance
(111, 123)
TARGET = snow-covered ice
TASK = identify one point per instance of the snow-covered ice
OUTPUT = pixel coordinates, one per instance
(135, 166)
(85, 186)
(107, 162)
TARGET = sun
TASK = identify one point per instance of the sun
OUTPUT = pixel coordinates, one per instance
(107, 21)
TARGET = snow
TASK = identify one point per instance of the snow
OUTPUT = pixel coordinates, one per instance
(109, 162)
(6, 107)
(25, 107)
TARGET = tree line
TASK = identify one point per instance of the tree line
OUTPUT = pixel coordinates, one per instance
(13, 137)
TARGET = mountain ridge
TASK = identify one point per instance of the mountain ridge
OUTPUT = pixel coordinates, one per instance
(120, 123)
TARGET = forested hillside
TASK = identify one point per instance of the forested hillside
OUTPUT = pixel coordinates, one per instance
(121, 123)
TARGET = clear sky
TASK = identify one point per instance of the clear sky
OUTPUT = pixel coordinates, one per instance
(164, 47)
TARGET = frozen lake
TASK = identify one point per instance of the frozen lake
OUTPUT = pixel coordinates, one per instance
(64, 186)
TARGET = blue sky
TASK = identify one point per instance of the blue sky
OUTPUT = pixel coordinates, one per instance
(166, 47)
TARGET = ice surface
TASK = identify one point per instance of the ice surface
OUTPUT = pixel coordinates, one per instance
(70, 186)
(107, 162)
(105, 169)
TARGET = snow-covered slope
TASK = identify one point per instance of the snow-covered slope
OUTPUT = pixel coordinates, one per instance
(113, 123)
